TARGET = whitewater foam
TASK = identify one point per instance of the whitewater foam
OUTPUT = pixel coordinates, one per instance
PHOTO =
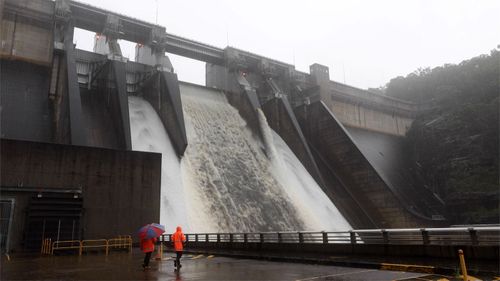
(229, 180)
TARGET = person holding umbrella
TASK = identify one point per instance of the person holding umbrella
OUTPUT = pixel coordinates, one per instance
(148, 234)
(178, 239)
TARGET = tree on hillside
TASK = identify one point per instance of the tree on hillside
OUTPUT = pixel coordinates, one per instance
(454, 146)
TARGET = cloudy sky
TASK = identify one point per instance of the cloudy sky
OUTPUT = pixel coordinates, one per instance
(365, 43)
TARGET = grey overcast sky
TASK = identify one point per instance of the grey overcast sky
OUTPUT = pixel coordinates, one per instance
(365, 43)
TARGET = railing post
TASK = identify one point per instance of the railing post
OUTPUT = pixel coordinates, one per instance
(107, 247)
(385, 236)
(187, 238)
(170, 238)
(352, 236)
(230, 238)
(206, 238)
(301, 237)
(473, 236)
(425, 236)
(261, 236)
(218, 237)
(245, 238)
(325, 237)
(196, 237)
(280, 238)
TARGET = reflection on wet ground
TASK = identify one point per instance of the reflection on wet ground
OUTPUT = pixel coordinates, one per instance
(127, 266)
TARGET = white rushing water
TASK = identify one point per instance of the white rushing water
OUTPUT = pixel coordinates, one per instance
(148, 134)
(225, 182)
(316, 209)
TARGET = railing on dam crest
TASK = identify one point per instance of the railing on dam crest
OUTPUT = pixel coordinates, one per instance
(481, 236)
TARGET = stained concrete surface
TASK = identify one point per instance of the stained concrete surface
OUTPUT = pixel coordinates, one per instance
(126, 266)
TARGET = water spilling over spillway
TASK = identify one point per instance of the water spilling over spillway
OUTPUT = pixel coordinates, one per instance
(225, 182)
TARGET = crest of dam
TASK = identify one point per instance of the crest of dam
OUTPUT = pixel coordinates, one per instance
(229, 180)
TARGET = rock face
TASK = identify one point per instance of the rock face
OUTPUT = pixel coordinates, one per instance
(454, 145)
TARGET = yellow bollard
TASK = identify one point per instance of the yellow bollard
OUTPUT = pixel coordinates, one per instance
(161, 251)
(463, 268)
(159, 256)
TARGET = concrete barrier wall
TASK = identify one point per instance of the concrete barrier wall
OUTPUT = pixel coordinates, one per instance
(360, 116)
(25, 103)
(27, 39)
(99, 122)
(120, 189)
(332, 142)
(324, 250)
(385, 153)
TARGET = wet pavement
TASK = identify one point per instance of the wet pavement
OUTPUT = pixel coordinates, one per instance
(127, 266)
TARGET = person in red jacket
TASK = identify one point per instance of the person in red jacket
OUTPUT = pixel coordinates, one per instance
(178, 239)
(147, 247)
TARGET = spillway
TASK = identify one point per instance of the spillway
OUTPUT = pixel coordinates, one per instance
(229, 180)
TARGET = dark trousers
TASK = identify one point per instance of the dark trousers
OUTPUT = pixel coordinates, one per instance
(178, 258)
(146, 259)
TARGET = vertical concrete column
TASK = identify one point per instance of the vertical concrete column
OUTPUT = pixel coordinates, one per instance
(321, 76)
(116, 72)
(122, 97)
(78, 136)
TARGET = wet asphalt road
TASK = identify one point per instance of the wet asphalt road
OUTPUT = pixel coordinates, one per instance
(125, 266)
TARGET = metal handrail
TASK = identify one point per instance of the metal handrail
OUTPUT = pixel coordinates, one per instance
(487, 235)
(65, 245)
(122, 241)
(97, 243)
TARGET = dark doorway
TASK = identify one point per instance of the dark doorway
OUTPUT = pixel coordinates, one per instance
(55, 216)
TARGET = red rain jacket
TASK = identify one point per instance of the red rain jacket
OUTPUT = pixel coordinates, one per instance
(148, 245)
(178, 239)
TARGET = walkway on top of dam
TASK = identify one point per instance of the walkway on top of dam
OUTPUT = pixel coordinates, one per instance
(125, 266)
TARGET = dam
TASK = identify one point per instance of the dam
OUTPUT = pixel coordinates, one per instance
(225, 182)
(94, 144)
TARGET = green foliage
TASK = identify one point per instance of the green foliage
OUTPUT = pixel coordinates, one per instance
(454, 143)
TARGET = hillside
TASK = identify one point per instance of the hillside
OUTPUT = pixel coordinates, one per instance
(453, 143)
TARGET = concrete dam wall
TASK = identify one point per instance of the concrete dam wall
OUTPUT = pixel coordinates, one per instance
(74, 97)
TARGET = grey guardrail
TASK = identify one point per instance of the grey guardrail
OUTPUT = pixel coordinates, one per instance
(482, 236)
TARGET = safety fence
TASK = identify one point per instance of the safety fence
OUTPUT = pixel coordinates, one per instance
(480, 236)
(120, 242)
